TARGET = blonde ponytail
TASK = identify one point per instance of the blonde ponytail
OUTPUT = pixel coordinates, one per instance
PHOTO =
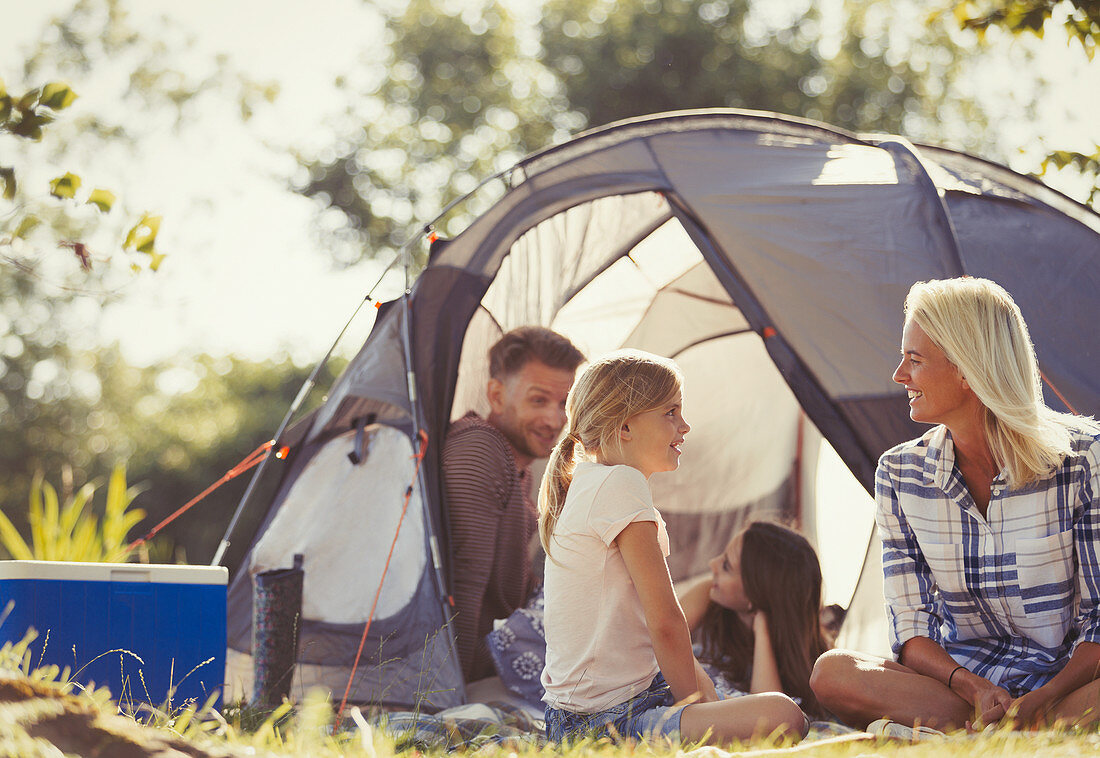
(555, 486)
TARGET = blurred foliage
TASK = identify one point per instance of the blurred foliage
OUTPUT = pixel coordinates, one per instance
(1086, 165)
(629, 58)
(179, 426)
(466, 89)
(73, 531)
(64, 400)
(1080, 21)
(26, 117)
(462, 96)
(51, 166)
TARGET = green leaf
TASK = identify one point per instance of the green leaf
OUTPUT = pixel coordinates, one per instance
(155, 259)
(86, 545)
(13, 542)
(1061, 158)
(65, 187)
(30, 125)
(117, 495)
(26, 226)
(57, 96)
(70, 515)
(143, 235)
(8, 175)
(38, 487)
(50, 518)
(102, 199)
(26, 103)
(5, 108)
(116, 540)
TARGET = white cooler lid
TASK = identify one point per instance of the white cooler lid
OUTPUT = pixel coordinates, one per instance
(158, 573)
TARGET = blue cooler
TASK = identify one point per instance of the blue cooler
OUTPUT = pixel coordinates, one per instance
(150, 633)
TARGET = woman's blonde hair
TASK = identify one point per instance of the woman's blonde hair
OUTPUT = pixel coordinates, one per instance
(607, 393)
(982, 332)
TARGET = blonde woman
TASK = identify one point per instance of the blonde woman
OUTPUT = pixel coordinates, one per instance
(618, 650)
(989, 525)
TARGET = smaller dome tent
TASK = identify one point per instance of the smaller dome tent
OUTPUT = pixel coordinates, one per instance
(769, 256)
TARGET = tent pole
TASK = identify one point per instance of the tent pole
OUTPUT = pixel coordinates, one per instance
(302, 393)
(402, 254)
(414, 404)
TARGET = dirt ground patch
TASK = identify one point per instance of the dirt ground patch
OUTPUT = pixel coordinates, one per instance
(37, 718)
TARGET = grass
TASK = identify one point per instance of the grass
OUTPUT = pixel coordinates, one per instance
(39, 706)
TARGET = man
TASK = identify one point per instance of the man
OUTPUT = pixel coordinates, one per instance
(487, 483)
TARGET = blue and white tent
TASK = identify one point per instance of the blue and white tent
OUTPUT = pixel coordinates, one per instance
(768, 255)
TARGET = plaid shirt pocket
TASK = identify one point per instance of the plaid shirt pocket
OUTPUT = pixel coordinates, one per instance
(1045, 568)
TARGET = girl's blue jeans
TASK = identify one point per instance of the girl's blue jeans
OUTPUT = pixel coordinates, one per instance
(648, 714)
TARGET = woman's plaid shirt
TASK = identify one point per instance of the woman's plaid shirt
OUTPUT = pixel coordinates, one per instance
(1009, 595)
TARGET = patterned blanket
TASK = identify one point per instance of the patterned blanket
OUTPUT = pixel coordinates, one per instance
(518, 648)
(465, 727)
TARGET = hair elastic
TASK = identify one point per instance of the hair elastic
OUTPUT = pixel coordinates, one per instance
(952, 676)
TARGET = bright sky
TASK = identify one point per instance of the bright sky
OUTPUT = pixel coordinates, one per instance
(246, 271)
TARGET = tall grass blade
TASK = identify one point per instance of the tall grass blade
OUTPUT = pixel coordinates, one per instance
(50, 519)
(34, 514)
(86, 543)
(74, 509)
(13, 541)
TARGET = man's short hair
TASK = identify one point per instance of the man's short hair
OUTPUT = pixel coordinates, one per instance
(513, 351)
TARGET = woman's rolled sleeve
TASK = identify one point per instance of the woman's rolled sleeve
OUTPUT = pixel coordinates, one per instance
(1086, 530)
(908, 585)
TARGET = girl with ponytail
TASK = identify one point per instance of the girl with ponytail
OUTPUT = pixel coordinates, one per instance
(618, 650)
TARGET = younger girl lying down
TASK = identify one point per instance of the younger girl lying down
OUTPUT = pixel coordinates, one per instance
(757, 616)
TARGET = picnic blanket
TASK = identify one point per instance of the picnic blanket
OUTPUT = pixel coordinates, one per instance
(477, 725)
(466, 726)
(518, 648)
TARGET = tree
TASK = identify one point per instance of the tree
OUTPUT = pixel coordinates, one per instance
(26, 117)
(1080, 21)
(1080, 18)
(460, 97)
(65, 403)
(622, 59)
(464, 91)
(45, 386)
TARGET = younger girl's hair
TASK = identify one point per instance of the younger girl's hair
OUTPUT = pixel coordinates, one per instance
(982, 332)
(781, 577)
(608, 392)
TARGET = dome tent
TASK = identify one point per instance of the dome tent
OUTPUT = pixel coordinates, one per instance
(769, 256)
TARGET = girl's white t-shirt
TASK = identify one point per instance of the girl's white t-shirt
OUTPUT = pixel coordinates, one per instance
(598, 649)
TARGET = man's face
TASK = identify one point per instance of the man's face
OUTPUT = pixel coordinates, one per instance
(528, 407)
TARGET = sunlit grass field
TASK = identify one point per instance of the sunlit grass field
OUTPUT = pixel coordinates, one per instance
(43, 713)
